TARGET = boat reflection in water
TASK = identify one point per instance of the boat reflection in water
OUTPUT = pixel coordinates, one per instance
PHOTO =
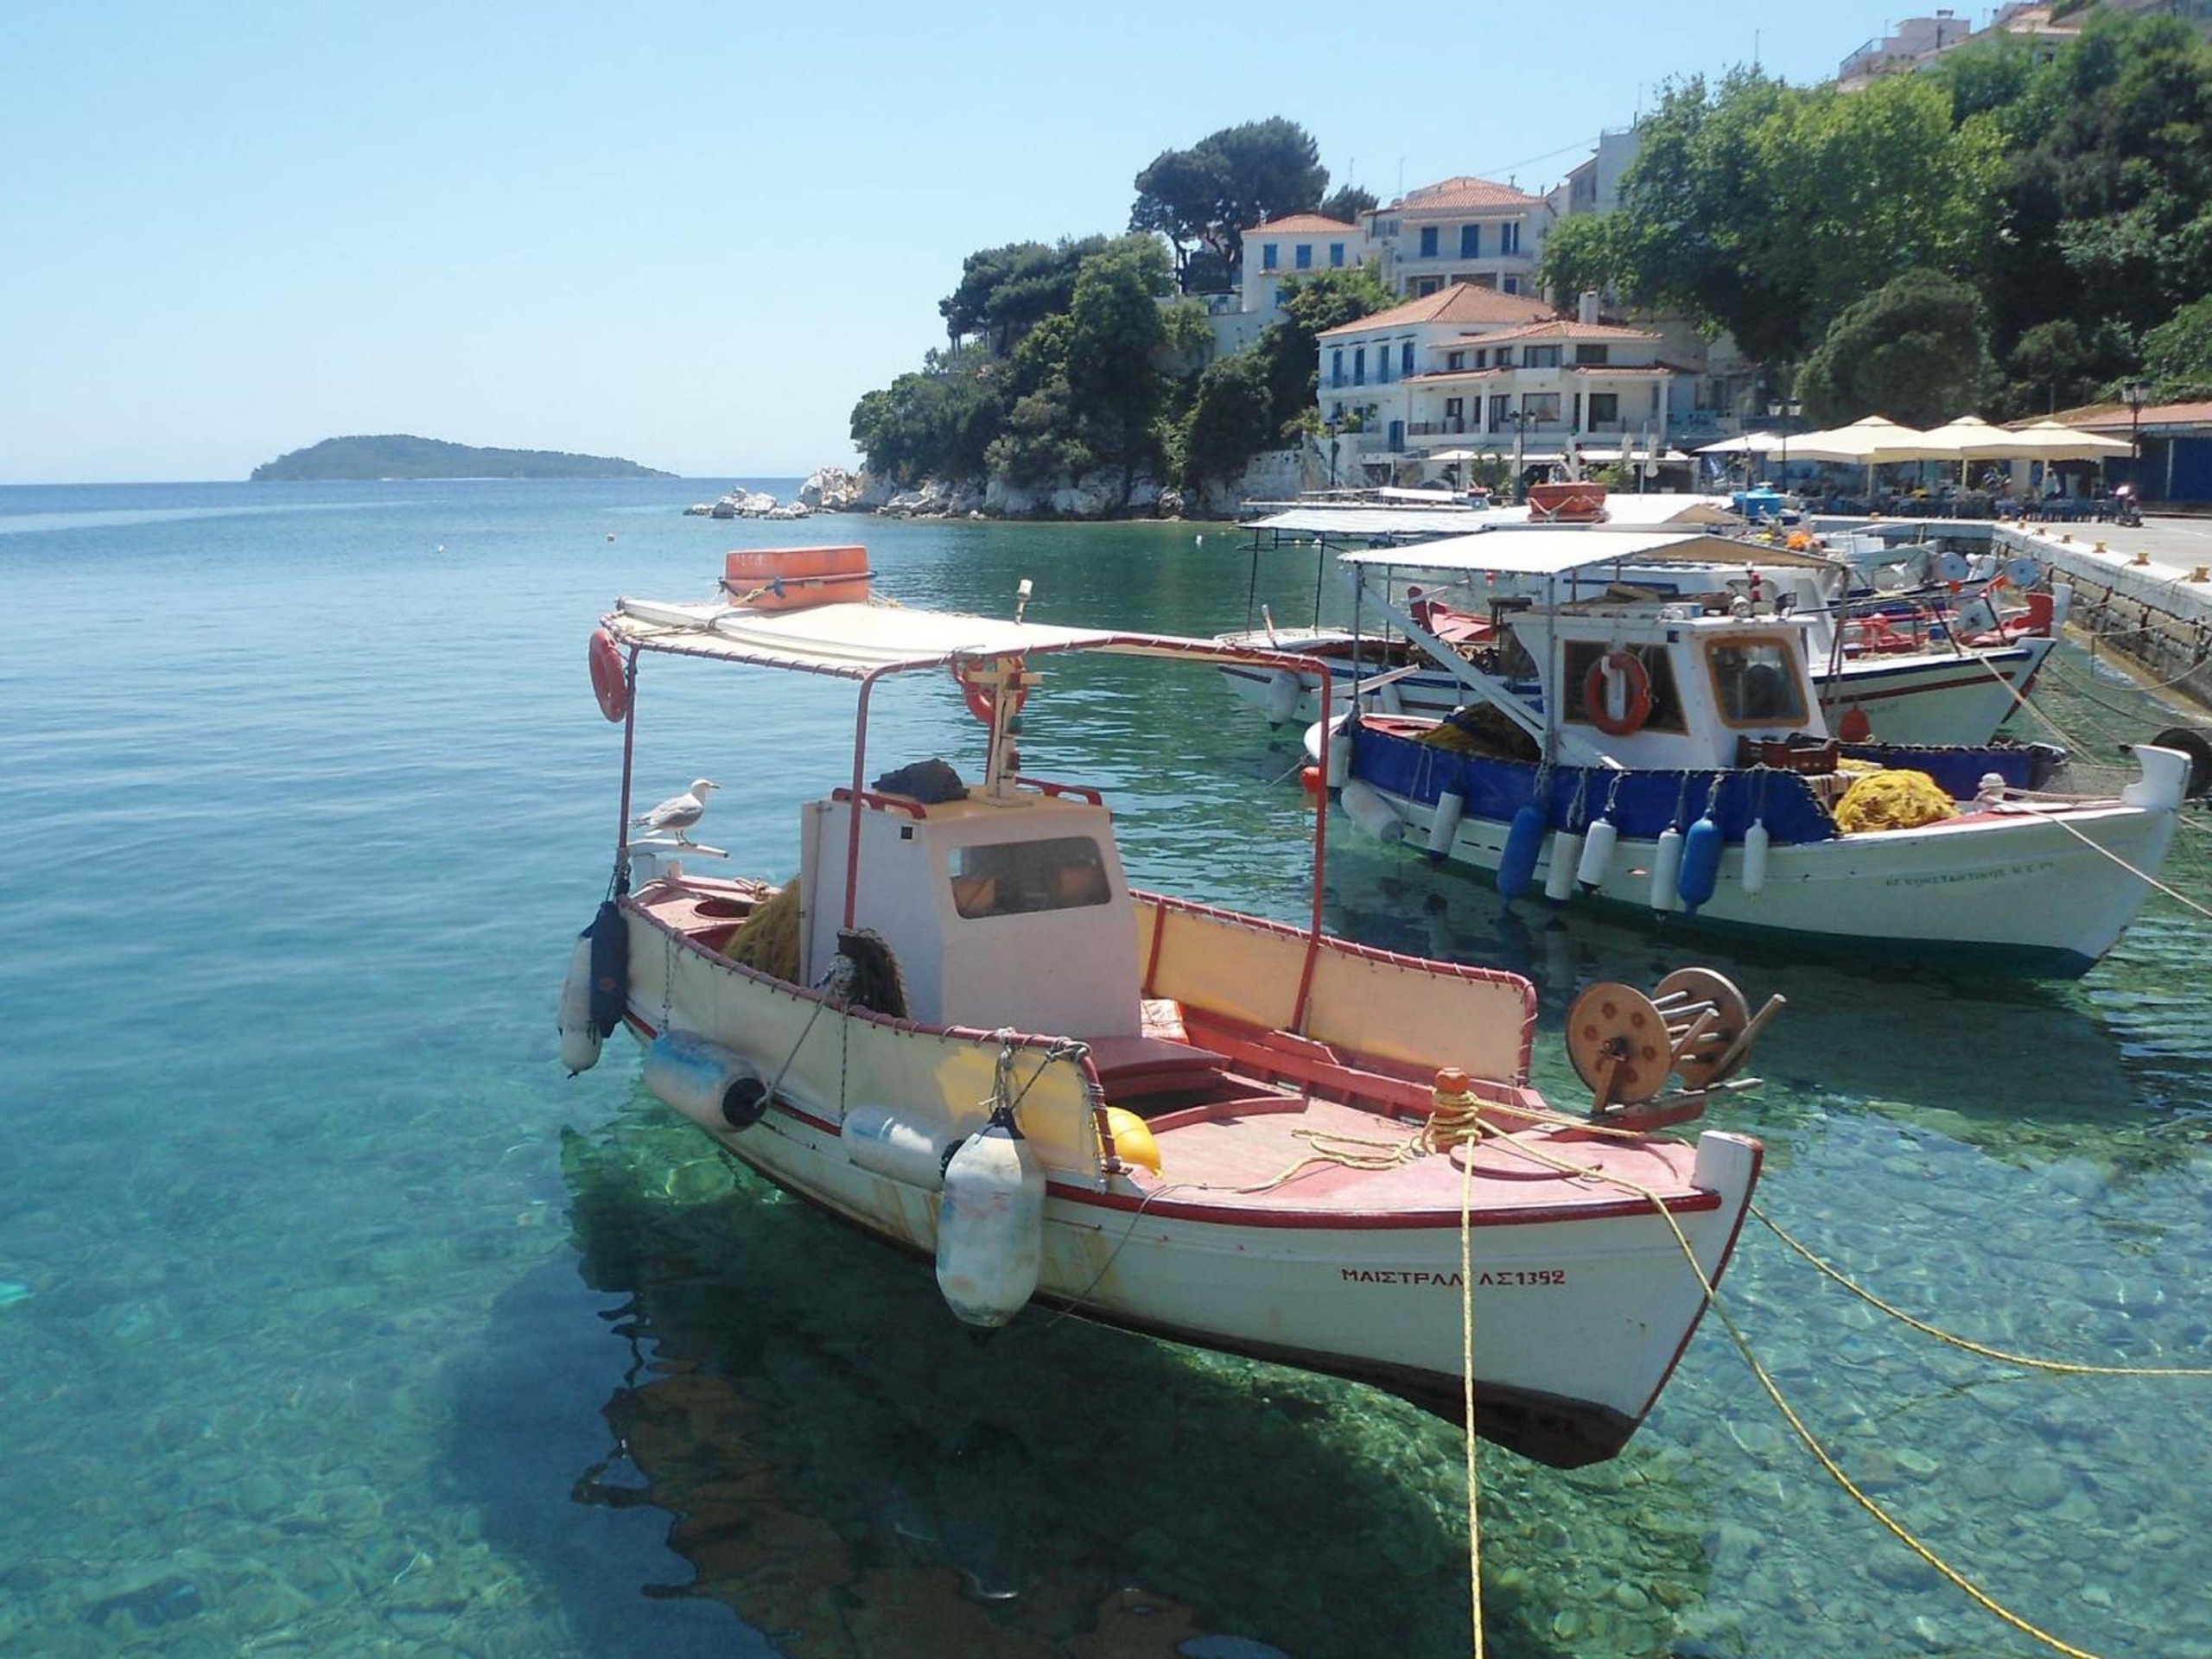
(851, 1474)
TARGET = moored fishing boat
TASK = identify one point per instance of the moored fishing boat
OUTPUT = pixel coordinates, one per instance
(1674, 758)
(1932, 664)
(959, 1027)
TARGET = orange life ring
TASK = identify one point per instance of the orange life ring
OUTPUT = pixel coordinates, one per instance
(979, 694)
(1631, 667)
(610, 683)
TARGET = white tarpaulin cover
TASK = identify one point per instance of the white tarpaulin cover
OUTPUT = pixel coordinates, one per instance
(856, 640)
(1551, 552)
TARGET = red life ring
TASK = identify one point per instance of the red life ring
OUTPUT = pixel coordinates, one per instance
(1631, 667)
(978, 691)
(610, 683)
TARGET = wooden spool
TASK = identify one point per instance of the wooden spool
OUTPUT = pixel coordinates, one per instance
(1618, 1043)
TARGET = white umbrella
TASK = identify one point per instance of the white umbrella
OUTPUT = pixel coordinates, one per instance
(2055, 441)
(1870, 441)
(1750, 444)
(1972, 438)
(1457, 455)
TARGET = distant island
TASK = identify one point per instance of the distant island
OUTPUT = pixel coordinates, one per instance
(399, 455)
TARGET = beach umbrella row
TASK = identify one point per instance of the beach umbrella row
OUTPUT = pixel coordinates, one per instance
(1876, 441)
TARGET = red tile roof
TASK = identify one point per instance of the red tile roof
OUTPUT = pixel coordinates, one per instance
(1461, 302)
(1459, 195)
(1567, 328)
(2116, 417)
(1293, 224)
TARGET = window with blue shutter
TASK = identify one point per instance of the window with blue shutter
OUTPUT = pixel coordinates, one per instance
(1471, 241)
(1428, 241)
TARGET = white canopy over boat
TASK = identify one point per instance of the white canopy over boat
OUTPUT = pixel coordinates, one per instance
(854, 640)
(1620, 511)
(1543, 552)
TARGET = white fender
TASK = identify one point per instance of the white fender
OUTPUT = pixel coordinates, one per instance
(1365, 805)
(1567, 859)
(1666, 867)
(579, 1036)
(1339, 750)
(716, 1087)
(1756, 841)
(1285, 691)
(884, 1142)
(990, 1226)
(1450, 806)
(1597, 861)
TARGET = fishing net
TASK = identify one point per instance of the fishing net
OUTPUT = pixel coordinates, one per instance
(769, 939)
(1481, 729)
(1896, 799)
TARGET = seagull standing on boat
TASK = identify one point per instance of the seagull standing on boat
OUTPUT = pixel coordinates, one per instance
(678, 812)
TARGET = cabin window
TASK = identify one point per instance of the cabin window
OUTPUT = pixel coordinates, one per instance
(1756, 681)
(1011, 878)
(1578, 657)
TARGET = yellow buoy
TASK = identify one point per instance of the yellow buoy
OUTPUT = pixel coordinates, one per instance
(1133, 1138)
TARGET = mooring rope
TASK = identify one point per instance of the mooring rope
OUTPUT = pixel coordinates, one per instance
(1896, 1528)
(2063, 1367)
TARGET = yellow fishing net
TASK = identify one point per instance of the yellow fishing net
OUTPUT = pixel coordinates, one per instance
(1892, 800)
(769, 939)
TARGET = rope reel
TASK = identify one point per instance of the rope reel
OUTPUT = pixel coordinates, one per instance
(1695, 1026)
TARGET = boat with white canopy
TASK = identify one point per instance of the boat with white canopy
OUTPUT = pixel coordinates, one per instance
(1902, 668)
(1673, 756)
(960, 1028)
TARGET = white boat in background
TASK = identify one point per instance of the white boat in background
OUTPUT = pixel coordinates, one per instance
(959, 1027)
(1685, 739)
(1910, 667)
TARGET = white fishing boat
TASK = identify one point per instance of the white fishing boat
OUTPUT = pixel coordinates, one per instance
(1905, 668)
(1674, 758)
(959, 1027)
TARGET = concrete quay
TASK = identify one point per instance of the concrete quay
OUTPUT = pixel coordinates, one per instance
(2146, 590)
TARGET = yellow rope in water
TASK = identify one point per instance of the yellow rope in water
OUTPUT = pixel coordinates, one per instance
(1896, 1528)
(2065, 1367)
(1467, 1390)
(2141, 875)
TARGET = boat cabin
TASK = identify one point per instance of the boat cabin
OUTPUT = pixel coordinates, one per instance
(1668, 687)
(971, 895)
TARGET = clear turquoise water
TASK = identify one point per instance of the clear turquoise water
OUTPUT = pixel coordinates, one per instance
(335, 1319)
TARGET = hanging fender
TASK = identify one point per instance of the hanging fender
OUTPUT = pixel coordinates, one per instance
(1627, 668)
(610, 683)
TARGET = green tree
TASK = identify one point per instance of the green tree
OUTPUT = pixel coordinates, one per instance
(2177, 353)
(1765, 210)
(1208, 195)
(1347, 202)
(1914, 350)
(938, 421)
(2058, 364)
(1231, 417)
(1579, 255)
(1004, 292)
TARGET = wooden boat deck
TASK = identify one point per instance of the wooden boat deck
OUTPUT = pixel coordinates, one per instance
(1268, 1154)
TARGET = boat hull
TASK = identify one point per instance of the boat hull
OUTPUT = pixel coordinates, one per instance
(1581, 1311)
(2048, 895)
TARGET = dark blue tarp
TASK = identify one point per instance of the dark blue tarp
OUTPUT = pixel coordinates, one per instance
(1644, 804)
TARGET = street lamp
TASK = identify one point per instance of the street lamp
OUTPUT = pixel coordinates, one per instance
(1330, 426)
(1520, 420)
(1782, 413)
(2135, 394)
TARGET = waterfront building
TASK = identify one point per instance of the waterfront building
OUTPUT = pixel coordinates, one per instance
(1468, 367)
(1460, 229)
(1298, 244)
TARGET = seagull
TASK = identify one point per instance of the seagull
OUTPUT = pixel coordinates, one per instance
(679, 812)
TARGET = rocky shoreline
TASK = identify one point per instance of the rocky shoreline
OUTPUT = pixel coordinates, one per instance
(1095, 495)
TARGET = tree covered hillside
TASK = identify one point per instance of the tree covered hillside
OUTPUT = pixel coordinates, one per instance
(1083, 357)
(2041, 230)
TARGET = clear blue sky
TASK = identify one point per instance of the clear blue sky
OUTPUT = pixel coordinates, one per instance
(691, 235)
